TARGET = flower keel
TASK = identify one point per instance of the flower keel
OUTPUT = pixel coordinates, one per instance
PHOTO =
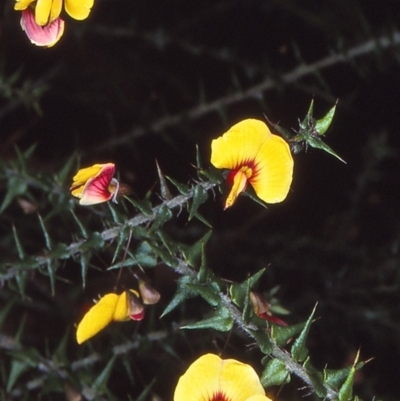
(95, 184)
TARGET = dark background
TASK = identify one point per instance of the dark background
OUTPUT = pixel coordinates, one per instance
(144, 80)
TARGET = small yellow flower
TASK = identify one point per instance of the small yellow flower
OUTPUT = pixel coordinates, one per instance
(111, 307)
(46, 11)
(211, 378)
(254, 156)
(95, 184)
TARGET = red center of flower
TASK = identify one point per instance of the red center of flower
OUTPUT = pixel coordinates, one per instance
(219, 396)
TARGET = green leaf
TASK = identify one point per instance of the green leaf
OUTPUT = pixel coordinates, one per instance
(317, 143)
(60, 251)
(209, 292)
(103, 377)
(163, 215)
(15, 186)
(202, 219)
(199, 197)
(4, 311)
(61, 353)
(47, 238)
(145, 256)
(263, 340)
(220, 321)
(117, 216)
(18, 367)
(144, 206)
(275, 374)
(192, 253)
(182, 293)
(239, 291)
(84, 262)
(346, 390)
(21, 279)
(282, 334)
(183, 189)
(334, 378)
(165, 193)
(199, 164)
(52, 265)
(64, 173)
(145, 394)
(214, 175)
(20, 249)
(123, 238)
(252, 195)
(322, 125)
(299, 350)
(316, 378)
(164, 255)
(80, 225)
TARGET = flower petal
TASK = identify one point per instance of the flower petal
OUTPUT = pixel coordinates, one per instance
(239, 145)
(78, 9)
(42, 11)
(239, 184)
(22, 4)
(210, 375)
(55, 10)
(84, 174)
(274, 170)
(258, 397)
(46, 36)
(98, 317)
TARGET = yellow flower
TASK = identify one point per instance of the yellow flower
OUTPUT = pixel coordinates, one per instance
(254, 156)
(111, 307)
(211, 378)
(46, 11)
(95, 184)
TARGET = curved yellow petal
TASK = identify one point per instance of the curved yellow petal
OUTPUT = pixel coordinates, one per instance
(97, 318)
(274, 170)
(121, 308)
(240, 381)
(55, 10)
(22, 4)
(78, 9)
(84, 174)
(239, 145)
(42, 12)
(209, 376)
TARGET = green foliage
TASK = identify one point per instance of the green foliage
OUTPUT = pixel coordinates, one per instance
(134, 237)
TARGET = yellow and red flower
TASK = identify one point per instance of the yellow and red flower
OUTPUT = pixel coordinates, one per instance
(211, 378)
(95, 184)
(47, 16)
(110, 308)
(254, 156)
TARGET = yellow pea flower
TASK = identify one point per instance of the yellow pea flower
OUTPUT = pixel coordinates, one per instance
(111, 307)
(211, 378)
(95, 184)
(254, 156)
(46, 11)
